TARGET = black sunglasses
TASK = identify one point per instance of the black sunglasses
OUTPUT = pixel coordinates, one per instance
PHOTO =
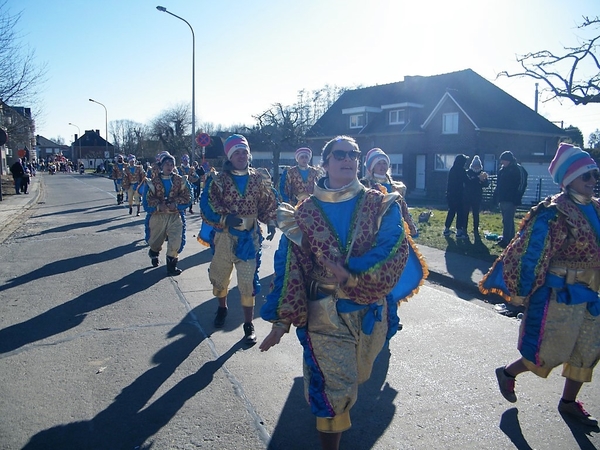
(588, 176)
(340, 155)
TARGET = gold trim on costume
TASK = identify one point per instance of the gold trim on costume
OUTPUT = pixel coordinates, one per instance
(344, 193)
(336, 424)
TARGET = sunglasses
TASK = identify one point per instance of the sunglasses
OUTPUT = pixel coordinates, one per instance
(340, 155)
(588, 176)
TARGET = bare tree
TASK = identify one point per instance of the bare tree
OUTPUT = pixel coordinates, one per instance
(20, 76)
(280, 128)
(594, 140)
(565, 75)
(170, 129)
(128, 137)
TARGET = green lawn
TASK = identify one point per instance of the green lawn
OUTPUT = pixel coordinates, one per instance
(430, 233)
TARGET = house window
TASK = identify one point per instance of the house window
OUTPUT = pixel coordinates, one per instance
(444, 162)
(450, 123)
(357, 120)
(396, 165)
(397, 117)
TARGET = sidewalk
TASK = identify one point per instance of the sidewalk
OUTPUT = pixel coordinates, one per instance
(449, 269)
(12, 206)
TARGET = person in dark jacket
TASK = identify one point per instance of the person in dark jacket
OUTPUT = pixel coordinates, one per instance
(507, 195)
(457, 177)
(476, 181)
(17, 170)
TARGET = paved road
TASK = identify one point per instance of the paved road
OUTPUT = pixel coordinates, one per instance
(100, 351)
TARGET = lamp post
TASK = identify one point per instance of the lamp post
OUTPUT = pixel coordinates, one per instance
(79, 139)
(105, 125)
(163, 9)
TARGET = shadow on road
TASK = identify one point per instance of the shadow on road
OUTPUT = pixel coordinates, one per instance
(509, 424)
(371, 415)
(72, 313)
(127, 423)
(71, 264)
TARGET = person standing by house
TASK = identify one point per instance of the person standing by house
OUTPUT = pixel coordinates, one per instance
(552, 268)
(342, 252)
(233, 201)
(133, 177)
(377, 166)
(17, 171)
(118, 172)
(165, 200)
(457, 177)
(474, 184)
(297, 183)
(507, 195)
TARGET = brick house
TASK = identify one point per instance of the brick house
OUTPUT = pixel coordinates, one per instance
(422, 123)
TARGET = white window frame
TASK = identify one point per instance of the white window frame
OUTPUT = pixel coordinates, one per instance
(357, 120)
(446, 159)
(396, 164)
(450, 123)
(397, 117)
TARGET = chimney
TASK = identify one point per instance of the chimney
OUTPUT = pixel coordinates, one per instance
(98, 132)
(75, 136)
(536, 97)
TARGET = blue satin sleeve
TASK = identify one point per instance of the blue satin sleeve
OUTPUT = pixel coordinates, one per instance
(390, 233)
(270, 309)
(207, 210)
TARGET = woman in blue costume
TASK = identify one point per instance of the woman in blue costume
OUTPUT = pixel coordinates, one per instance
(342, 252)
(552, 267)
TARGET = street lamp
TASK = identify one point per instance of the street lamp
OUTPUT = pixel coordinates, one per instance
(79, 139)
(105, 124)
(163, 9)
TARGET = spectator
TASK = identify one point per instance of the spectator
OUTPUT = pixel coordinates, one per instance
(457, 177)
(507, 195)
(25, 180)
(475, 182)
(17, 171)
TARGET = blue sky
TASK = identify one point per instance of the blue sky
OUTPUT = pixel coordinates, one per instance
(137, 61)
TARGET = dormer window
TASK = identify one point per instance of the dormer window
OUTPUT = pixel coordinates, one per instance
(357, 120)
(397, 117)
(450, 123)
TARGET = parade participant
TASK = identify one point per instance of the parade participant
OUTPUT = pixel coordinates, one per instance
(132, 178)
(377, 166)
(552, 268)
(118, 172)
(166, 199)
(232, 203)
(342, 252)
(192, 176)
(297, 183)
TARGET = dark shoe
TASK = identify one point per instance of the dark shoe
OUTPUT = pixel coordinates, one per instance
(172, 269)
(506, 385)
(153, 257)
(130, 210)
(575, 410)
(220, 317)
(249, 334)
(138, 212)
(191, 212)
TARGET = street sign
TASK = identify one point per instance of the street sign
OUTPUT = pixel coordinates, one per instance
(203, 139)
